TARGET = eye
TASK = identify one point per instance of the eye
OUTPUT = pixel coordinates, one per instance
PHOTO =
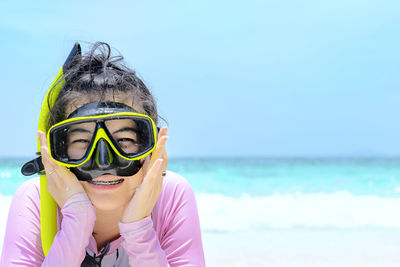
(80, 141)
(126, 141)
(128, 145)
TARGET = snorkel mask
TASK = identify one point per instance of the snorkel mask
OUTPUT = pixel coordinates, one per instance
(102, 138)
(96, 139)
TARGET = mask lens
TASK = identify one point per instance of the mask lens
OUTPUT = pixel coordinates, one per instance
(132, 136)
(71, 142)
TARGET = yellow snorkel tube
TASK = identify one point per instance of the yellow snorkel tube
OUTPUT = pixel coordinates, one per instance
(48, 206)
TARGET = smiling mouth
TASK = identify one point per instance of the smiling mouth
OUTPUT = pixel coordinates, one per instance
(106, 182)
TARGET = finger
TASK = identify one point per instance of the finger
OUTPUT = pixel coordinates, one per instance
(51, 167)
(43, 142)
(43, 149)
(145, 165)
(163, 131)
(161, 152)
(42, 138)
(158, 179)
(157, 153)
(160, 142)
(47, 161)
(161, 146)
(154, 172)
(165, 158)
(165, 161)
(163, 140)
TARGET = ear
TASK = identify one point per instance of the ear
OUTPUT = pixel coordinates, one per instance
(74, 56)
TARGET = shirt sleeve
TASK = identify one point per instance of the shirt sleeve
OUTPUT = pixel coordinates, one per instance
(22, 242)
(179, 236)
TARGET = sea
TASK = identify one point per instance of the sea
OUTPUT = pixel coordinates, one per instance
(283, 211)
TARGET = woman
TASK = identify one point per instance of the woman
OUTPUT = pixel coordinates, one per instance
(105, 163)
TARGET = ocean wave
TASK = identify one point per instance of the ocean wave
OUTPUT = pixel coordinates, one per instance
(5, 174)
(340, 210)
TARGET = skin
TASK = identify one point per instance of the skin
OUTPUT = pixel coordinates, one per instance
(132, 201)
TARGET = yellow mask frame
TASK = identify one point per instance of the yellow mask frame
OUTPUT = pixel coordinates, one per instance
(101, 134)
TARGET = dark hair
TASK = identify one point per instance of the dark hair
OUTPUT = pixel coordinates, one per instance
(96, 76)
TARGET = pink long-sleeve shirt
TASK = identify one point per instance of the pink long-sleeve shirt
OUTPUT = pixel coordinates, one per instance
(171, 236)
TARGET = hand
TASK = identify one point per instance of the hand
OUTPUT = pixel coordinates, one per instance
(61, 182)
(147, 193)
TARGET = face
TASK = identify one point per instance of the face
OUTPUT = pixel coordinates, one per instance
(110, 192)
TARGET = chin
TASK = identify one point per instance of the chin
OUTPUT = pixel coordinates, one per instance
(107, 199)
(106, 204)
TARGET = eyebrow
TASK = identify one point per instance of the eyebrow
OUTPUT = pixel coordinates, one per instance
(126, 129)
(79, 130)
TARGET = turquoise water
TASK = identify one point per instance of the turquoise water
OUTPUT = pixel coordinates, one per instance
(263, 176)
(261, 194)
(259, 177)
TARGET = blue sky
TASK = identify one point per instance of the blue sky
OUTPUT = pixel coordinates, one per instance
(248, 78)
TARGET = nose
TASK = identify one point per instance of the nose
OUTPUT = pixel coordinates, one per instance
(104, 155)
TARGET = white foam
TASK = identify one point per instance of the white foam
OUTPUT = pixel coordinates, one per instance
(340, 210)
(5, 174)
(337, 210)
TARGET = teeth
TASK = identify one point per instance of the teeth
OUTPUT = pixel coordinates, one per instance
(106, 182)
